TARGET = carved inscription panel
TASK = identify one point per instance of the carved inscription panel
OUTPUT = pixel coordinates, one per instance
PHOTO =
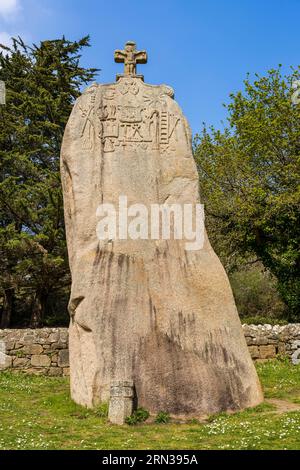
(130, 115)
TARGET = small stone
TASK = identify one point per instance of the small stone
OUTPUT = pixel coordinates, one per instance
(28, 339)
(44, 333)
(121, 401)
(55, 371)
(66, 371)
(267, 351)
(268, 327)
(282, 349)
(254, 351)
(5, 361)
(13, 335)
(53, 338)
(63, 358)
(262, 340)
(20, 362)
(296, 357)
(250, 341)
(58, 345)
(63, 335)
(9, 345)
(33, 349)
(40, 360)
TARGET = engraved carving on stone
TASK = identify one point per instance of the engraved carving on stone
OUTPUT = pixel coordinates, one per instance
(109, 127)
(146, 124)
(154, 129)
(155, 98)
(129, 86)
(164, 127)
(136, 134)
(131, 123)
(130, 114)
(109, 94)
(108, 145)
(107, 112)
(130, 56)
(131, 132)
(143, 145)
(168, 122)
(167, 90)
(173, 124)
(128, 125)
(88, 128)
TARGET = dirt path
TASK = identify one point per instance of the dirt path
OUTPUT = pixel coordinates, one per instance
(283, 406)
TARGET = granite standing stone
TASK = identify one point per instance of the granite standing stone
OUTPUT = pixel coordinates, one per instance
(148, 312)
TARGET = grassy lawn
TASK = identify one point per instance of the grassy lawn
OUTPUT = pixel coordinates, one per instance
(37, 413)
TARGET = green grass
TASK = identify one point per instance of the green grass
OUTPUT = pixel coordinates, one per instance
(37, 413)
(280, 379)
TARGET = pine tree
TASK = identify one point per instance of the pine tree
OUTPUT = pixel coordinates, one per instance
(42, 82)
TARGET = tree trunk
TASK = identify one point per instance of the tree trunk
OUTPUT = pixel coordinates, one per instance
(7, 308)
(38, 309)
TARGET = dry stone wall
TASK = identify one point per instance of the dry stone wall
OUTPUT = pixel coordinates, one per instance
(37, 351)
(45, 350)
(268, 341)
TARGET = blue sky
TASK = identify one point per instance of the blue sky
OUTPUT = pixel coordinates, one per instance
(202, 48)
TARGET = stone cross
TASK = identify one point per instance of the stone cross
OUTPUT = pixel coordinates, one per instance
(130, 56)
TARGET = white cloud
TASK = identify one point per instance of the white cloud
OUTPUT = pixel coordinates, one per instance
(9, 8)
(5, 38)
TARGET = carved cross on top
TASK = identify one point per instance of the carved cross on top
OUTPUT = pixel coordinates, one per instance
(130, 56)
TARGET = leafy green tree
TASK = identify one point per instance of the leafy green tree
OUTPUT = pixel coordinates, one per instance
(249, 179)
(255, 293)
(42, 83)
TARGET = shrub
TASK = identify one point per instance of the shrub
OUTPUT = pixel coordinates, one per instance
(138, 416)
(256, 295)
(162, 418)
